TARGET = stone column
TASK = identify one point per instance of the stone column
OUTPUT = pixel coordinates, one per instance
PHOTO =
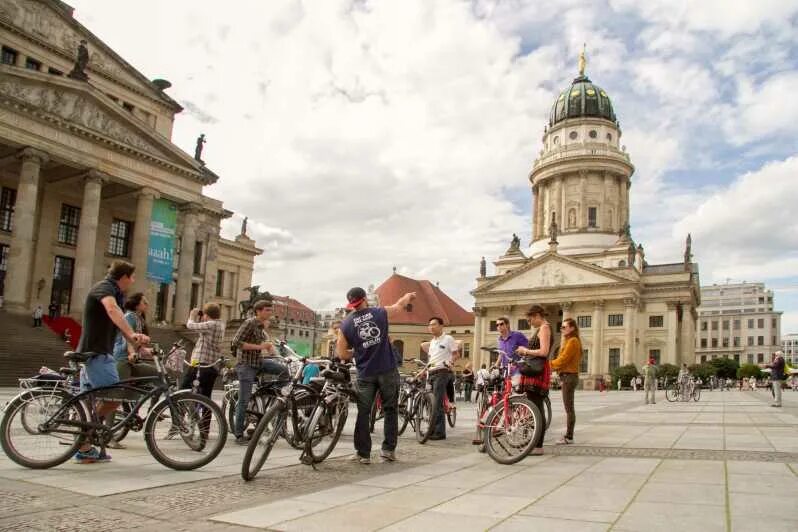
(597, 347)
(604, 223)
(688, 334)
(536, 208)
(20, 253)
(672, 325)
(87, 240)
(625, 183)
(185, 269)
(629, 321)
(141, 239)
(582, 221)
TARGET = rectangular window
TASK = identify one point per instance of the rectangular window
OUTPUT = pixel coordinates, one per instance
(655, 354)
(774, 341)
(68, 226)
(467, 350)
(774, 323)
(615, 320)
(195, 295)
(584, 322)
(32, 64)
(523, 325)
(725, 325)
(703, 358)
(219, 283)
(198, 258)
(703, 326)
(9, 56)
(583, 362)
(760, 340)
(3, 267)
(656, 321)
(615, 358)
(127, 106)
(736, 341)
(714, 326)
(8, 198)
(760, 323)
(119, 243)
(714, 342)
(54, 71)
(591, 217)
(737, 358)
(736, 325)
(750, 340)
(760, 358)
(751, 324)
(725, 342)
(750, 358)
(492, 326)
(703, 343)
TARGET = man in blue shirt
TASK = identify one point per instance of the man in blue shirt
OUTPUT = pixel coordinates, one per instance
(364, 335)
(508, 340)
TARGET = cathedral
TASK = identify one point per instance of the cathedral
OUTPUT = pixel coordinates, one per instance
(582, 262)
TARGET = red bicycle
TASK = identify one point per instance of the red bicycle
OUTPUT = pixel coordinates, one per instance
(510, 424)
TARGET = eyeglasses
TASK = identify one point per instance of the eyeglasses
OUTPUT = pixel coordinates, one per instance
(501, 324)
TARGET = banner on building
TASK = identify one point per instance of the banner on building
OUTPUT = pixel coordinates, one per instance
(160, 255)
(300, 348)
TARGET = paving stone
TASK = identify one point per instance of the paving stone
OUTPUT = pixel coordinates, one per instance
(525, 523)
(669, 517)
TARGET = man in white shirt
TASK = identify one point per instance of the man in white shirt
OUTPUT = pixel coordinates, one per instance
(442, 351)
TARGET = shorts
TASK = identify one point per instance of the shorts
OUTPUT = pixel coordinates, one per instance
(99, 371)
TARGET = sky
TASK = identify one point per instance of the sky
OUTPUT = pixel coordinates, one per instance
(359, 136)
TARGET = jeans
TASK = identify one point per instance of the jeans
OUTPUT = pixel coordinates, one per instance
(536, 396)
(440, 384)
(569, 383)
(469, 387)
(206, 378)
(246, 378)
(388, 385)
(777, 392)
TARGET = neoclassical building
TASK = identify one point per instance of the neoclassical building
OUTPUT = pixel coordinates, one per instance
(583, 262)
(88, 174)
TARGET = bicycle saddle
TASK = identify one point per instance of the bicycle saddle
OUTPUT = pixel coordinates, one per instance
(77, 357)
(333, 375)
(68, 371)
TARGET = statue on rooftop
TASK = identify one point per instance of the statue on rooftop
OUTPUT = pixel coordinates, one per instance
(198, 148)
(81, 62)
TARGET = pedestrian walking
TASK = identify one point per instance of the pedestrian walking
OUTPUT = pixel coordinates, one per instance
(650, 381)
(567, 367)
(37, 316)
(777, 377)
(468, 382)
(619, 384)
(364, 336)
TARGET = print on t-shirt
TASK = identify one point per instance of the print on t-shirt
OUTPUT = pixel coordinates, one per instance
(367, 330)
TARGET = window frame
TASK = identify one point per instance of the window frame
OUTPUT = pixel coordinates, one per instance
(614, 320)
(69, 225)
(8, 201)
(120, 241)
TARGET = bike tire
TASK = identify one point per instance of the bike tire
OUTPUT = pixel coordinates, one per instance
(337, 417)
(269, 428)
(19, 450)
(204, 416)
(376, 412)
(671, 393)
(424, 414)
(404, 413)
(523, 413)
(451, 415)
(547, 402)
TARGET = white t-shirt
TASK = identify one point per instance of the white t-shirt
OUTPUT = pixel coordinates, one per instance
(440, 350)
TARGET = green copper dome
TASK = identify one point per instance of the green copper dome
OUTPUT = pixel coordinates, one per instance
(582, 98)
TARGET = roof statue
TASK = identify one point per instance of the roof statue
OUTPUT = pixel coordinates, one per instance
(515, 244)
(688, 250)
(81, 62)
(553, 229)
(582, 61)
(198, 148)
(244, 226)
(483, 268)
(630, 254)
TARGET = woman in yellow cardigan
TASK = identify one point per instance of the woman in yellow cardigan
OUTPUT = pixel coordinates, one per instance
(567, 366)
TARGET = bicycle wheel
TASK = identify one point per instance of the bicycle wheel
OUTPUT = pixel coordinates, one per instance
(451, 415)
(696, 393)
(185, 431)
(269, 428)
(403, 411)
(547, 402)
(326, 426)
(671, 393)
(376, 411)
(21, 434)
(423, 417)
(510, 438)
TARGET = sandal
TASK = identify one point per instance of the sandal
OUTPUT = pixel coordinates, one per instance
(564, 441)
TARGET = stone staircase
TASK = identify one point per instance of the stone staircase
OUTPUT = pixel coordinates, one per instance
(24, 349)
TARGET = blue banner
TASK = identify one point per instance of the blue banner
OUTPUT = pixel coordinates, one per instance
(160, 255)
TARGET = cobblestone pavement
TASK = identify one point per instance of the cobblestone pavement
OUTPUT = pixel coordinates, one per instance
(727, 462)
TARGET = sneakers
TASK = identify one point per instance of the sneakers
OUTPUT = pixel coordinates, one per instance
(113, 444)
(364, 460)
(388, 456)
(91, 456)
(242, 440)
(775, 405)
(564, 441)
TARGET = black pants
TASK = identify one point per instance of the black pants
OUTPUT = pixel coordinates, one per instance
(206, 378)
(388, 385)
(37, 322)
(536, 396)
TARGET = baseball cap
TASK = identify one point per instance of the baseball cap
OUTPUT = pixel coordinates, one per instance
(355, 297)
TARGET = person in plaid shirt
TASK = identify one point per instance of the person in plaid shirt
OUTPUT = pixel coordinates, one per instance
(250, 341)
(208, 348)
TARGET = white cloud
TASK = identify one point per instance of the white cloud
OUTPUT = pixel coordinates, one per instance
(764, 110)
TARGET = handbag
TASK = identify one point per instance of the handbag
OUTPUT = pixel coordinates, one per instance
(531, 366)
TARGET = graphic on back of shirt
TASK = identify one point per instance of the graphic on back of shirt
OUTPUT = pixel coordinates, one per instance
(367, 330)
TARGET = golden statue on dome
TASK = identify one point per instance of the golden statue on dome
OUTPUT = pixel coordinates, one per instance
(582, 60)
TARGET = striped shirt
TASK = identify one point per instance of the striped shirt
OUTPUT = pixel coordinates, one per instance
(208, 348)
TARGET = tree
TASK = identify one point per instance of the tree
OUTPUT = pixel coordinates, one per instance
(749, 370)
(668, 371)
(703, 371)
(626, 373)
(726, 367)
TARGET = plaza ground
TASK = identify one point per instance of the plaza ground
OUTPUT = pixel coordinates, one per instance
(726, 463)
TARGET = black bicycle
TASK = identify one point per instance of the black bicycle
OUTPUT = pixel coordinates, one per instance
(44, 427)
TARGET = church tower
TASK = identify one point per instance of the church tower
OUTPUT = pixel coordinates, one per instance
(582, 177)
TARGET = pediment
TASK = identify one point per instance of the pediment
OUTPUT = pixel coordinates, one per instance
(551, 271)
(78, 105)
(45, 21)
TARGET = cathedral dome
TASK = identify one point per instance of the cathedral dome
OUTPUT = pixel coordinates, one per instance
(582, 99)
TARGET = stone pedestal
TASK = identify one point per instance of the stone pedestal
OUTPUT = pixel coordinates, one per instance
(20, 253)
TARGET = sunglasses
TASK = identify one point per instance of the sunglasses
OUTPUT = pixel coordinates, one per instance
(501, 324)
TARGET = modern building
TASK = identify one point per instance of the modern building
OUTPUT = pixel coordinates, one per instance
(737, 320)
(583, 262)
(789, 346)
(409, 330)
(89, 174)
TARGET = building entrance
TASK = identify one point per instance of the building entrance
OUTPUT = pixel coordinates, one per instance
(63, 269)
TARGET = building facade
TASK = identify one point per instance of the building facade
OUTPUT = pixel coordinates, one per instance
(789, 346)
(737, 320)
(89, 174)
(298, 325)
(583, 262)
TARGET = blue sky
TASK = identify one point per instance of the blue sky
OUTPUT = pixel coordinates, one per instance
(361, 135)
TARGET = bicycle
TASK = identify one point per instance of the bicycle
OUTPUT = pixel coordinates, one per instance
(512, 424)
(68, 420)
(425, 408)
(682, 391)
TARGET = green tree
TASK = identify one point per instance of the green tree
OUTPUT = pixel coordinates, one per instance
(749, 370)
(703, 371)
(668, 371)
(626, 373)
(726, 367)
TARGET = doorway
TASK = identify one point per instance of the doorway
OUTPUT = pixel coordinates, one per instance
(63, 270)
